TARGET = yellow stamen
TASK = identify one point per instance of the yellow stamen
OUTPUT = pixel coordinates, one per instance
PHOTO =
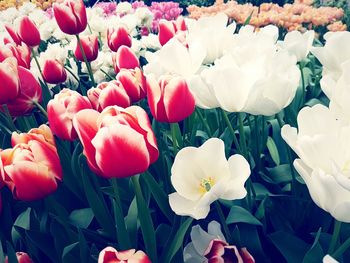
(206, 184)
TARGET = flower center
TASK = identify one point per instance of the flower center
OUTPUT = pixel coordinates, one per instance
(206, 184)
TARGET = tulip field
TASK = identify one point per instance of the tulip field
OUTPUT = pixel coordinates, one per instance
(170, 132)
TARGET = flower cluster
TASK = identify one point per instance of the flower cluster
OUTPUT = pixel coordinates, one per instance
(294, 16)
(43, 4)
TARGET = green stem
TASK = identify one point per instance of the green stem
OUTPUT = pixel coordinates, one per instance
(223, 221)
(243, 141)
(147, 228)
(205, 123)
(229, 125)
(122, 233)
(10, 120)
(81, 85)
(108, 75)
(173, 136)
(335, 236)
(340, 251)
(41, 108)
(88, 65)
(39, 67)
(72, 73)
(303, 85)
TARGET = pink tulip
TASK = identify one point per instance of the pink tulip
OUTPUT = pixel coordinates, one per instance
(21, 258)
(22, 53)
(168, 29)
(61, 111)
(118, 37)
(54, 72)
(134, 83)
(125, 58)
(117, 142)
(28, 32)
(9, 80)
(90, 47)
(111, 255)
(13, 34)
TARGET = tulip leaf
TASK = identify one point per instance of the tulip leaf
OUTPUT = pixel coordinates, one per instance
(131, 222)
(22, 222)
(71, 253)
(240, 215)
(315, 253)
(271, 146)
(43, 242)
(11, 254)
(81, 217)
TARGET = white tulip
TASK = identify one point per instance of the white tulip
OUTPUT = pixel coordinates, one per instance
(298, 44)
(322, 143)
(203, 175)
(329, 259)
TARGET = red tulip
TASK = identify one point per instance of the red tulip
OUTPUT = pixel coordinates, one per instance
(125, 58)
(54, 72)
(28, 32)
(71, 16)
(220, 251)
(134, 83)
(5, 52)
(21, 258)
(117, 142)
(31, 168)
(111, 255)
(61, 110)
(90, 47)
(168, 29)
(21, 53)
(169, 99)
(108, 94)
(9, 80)
(30, 90)
(13, 34)
(118, 37)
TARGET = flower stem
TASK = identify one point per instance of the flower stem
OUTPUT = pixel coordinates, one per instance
(340, 251)
(229, 125)
(205, 123)
(88, 65)
(335, 236)
(41, 108)
(243, 141)
(223, 221)
(39, 67)
(122, 233)
(10, 120)
(303, 85)
(107, 74)
(173, 136)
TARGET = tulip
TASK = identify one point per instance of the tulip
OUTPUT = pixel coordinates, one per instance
(168, 29)
(110, 254)
(322, 144)
(9, 80)
(118, 37)
(125, 58)
(13, 34)
(61, 110)
(22, 53)
(28, 32)
(169, 99)
(54, 72)
(5, 52)
(71, 16)
(108, 94)
(90, 47)
(329, 259)
(202, 175)
(30, 90)
(31, 169)
(21, 258)
(134, 83)
(117, 142)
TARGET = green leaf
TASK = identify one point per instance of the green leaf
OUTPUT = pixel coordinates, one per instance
(315, 253)
(291, 247)
(11, 254)
(71, 253)
(82, 217)
(177, 241)
(131, 222)
(23, 222)
(271, 146)
(43, 242)
(240, 215)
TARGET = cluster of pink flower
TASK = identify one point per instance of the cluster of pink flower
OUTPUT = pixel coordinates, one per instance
(291, 16)
(107, 7)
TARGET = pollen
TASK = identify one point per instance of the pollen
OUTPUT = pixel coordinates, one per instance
(206, 184)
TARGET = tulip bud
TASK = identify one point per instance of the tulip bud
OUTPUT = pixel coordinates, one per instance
(13, 34)
(31, 169)
(21, 53)
(108, 94)
(118, 37)
(70, 16)
(169, 99)
(21, 258)
(54, 72)
(117, 142)
(61, 110)
(30, 90)
(168, 29)
(90, 47)
(134, 83)
(9, 80)
(110, 254)
(28, 32)
(125, 58)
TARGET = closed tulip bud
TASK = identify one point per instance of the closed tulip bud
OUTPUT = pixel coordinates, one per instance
(134, 83)
(117, 142)
(118, 37)
(110, 254)
(125, 58)
(168, 29)
(31, 169)
(61, 110)
(30, 90)
(22, 53)
(54, 72)
(108, 94)
(71, 16)
(21, 258)
(90, 47)
(28, 32)
(9, 80)
(169, 99)
(13, 34)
